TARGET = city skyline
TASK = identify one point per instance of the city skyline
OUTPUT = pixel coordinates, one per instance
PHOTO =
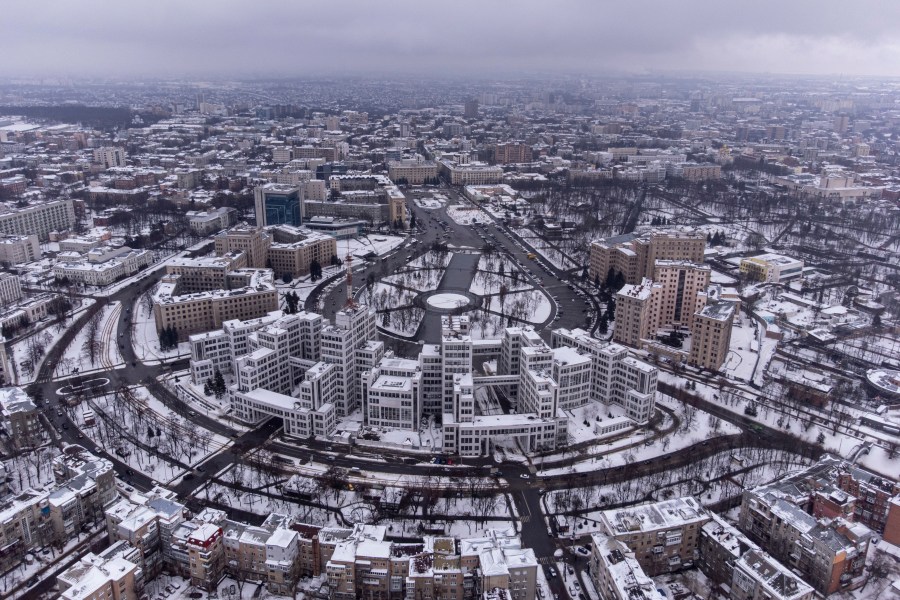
(233, 39)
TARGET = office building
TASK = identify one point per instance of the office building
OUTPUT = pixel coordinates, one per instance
(205, 222)
(278, 204)
(771, 268)
(250, 293)
(412, 171)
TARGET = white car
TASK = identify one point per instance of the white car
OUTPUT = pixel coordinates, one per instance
(525, 476)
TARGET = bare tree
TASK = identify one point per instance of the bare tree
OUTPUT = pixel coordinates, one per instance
(90, 348)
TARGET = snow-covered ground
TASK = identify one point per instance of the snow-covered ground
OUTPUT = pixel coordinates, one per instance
(108, 355)
(145, 338)
(45, 337)
(743, 353)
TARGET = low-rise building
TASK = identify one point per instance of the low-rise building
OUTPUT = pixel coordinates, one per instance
(771, 268)
(616, 573)
(20, 418)
(664, 536)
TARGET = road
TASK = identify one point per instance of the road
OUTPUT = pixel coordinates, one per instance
(519, 480)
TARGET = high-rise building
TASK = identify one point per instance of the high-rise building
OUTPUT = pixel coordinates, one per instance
(635, 255)
(278, 204)
(471, 109)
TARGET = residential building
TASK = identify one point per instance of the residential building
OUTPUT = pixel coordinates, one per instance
(829, 553)
(758, 576)
(20, 418)
(110, 575)
(615, 572)
(664, 536)
(635, 254)
(206, 556)
(109, 156)
(38, 218)
(512, 152)
(19, 249)
(711, 335)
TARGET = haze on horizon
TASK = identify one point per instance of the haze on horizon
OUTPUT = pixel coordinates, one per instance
(211, 38)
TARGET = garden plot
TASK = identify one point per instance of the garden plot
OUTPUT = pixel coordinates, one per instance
(384, 296)
(485, 283)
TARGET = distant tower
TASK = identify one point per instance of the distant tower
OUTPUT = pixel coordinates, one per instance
(348, 260)
(471, 111)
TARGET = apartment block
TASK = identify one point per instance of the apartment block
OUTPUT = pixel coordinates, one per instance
(828, 553)
(110, 575)
(20, 418)
(615, 572)
(711, 335)
(758, 576)
(38, 218)
(511, 153)
(19, 249)
(109, 156)
(635, 254)
(664, 536)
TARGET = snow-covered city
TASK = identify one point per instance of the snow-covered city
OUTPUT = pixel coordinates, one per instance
(545, 337)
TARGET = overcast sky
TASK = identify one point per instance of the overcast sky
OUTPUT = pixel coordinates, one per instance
(459, 37)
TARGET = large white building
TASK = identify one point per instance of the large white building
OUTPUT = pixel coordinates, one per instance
(37, 218)
(311, 373)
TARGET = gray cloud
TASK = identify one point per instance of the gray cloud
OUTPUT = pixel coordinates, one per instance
(295, 37)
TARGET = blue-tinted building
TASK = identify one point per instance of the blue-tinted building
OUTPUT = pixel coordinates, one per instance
(278, 204)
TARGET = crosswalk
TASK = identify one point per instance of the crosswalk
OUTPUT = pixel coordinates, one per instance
(525, 518)
(546, 560)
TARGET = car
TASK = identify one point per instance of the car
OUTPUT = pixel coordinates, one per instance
(80, 436)
(552, 572)
(129, 472)
(330, 457)
(65, 425)
(525, 476)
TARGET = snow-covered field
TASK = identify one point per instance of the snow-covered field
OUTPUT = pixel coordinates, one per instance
(108, 356)
(145, 338)
(45, 338)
